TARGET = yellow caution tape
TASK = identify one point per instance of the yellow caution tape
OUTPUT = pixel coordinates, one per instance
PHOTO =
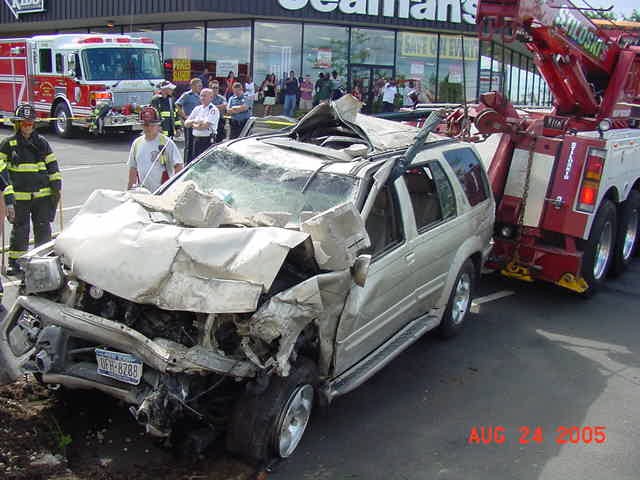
(49, 119)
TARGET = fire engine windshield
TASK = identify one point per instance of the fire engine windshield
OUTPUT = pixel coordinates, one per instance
(122, 64)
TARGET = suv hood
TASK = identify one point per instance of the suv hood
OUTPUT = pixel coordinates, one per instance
(191, 252)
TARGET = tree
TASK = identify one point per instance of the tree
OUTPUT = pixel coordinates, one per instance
(599, 14)
(634, 17)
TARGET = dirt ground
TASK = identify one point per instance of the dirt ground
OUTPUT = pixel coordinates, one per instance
(85, 435)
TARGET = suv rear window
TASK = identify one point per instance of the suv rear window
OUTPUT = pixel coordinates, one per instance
(470, 173)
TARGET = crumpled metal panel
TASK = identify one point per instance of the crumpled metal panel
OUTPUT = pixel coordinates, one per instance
(112, 243)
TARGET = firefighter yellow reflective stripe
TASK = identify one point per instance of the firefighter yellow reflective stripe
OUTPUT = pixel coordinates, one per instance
(13, 254)
(21, 195)
(9, 190)
(50, 158)
(165, 114)
(13, 143)
(3, 161)
(28, 167)
(43, 192)
(55, 176)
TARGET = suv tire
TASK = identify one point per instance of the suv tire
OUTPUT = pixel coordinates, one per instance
(459, 301)
(259, 423)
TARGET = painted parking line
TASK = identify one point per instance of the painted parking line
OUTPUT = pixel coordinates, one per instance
(475, 304)
(86, 167)
(68, 209)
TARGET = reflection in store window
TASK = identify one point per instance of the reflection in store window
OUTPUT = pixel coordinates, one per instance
(324, 50)
(228, 49)
(183, 53)
(416, 61)
(373, 47)
(276, 50)
(451, 72)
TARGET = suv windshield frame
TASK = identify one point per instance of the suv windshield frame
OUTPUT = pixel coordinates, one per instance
(327, 190)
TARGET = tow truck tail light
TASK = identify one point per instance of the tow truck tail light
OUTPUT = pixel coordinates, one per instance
(591, 180)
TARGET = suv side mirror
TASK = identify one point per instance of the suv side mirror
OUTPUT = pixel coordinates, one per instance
(360, 269)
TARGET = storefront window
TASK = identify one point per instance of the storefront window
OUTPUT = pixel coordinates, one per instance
(183, 52)
(149, 31)
(228, 50)
(451, 74)
(417, 60)
(276, 50)
(485, 67)
(324, 50)
(372, 47)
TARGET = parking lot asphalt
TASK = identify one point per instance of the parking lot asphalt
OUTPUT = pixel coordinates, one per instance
(540, 357)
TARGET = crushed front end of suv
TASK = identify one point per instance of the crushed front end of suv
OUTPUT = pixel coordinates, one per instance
(277, 271)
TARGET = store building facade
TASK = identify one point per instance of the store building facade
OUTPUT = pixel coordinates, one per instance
(431, 42)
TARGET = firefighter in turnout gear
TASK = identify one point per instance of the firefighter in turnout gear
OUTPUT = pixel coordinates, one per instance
(31, 181)
(165, 104)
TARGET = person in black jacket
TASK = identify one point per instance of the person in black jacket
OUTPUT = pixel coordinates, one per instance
(31, 181)
(166, 105)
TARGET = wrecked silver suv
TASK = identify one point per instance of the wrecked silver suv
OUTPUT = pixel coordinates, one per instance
(279, 270)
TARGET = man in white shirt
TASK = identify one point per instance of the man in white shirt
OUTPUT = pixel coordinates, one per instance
(153, 157)
(389, 93)
(204, 121)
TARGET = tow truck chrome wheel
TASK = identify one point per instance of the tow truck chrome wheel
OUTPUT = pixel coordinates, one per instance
(631, 235)
(462, 298)
(295, 419)
(603, 251)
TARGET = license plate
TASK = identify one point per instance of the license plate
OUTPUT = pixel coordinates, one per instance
(120, 366)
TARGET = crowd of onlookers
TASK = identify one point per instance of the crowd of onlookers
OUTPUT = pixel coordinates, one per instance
(302, 93)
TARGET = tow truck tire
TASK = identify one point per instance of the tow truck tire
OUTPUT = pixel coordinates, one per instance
(628, 233)
(63, 126)
(599, 249)
(459, 302)
(258, 420)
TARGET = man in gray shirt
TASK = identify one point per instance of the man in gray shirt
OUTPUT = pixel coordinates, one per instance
(186, 103)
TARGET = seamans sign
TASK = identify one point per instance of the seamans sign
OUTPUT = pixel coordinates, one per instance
(18, 7)
(452, 11)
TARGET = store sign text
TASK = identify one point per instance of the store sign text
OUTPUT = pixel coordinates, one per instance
(452, 11)
(18, 7)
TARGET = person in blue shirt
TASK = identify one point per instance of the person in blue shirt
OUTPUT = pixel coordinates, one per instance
(291, 91)
(186, 103)
(239, 108)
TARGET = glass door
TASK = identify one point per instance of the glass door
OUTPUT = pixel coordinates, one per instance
(370, 81)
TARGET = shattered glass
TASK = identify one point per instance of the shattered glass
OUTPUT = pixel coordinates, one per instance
(259, 187)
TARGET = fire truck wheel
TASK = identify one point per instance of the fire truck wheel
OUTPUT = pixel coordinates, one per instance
(628, 230)
(598, 249)
(62, 126)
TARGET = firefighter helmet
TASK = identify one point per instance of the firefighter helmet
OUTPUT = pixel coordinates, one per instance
(24, 111)
(149, 116)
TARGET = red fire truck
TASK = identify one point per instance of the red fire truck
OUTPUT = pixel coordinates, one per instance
(86, 81)
(567, 183)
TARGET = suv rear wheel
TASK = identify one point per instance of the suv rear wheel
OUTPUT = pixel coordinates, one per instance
(271, 424)
(459, 301)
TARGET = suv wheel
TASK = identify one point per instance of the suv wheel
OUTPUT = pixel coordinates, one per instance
(459, 301)
(271, 424)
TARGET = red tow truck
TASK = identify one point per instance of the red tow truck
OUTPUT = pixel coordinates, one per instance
(82, 80)
(567, 183)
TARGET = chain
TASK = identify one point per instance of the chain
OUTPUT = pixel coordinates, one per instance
(523, 203)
